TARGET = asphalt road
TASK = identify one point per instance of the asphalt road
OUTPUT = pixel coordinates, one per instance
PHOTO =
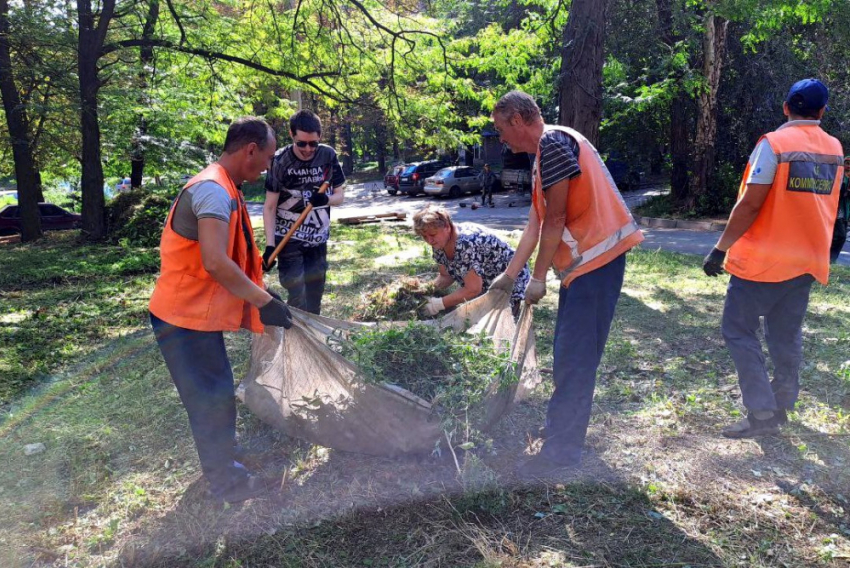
(510, 214)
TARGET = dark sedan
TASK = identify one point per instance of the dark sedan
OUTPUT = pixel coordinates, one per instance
(53, 218)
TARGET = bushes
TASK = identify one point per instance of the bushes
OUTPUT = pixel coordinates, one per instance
(137, 217)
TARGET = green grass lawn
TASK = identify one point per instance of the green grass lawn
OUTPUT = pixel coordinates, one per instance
(118, 482)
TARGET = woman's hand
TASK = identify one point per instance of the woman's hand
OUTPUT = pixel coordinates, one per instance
(434, 306)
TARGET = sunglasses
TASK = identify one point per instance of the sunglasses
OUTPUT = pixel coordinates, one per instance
(304, 143)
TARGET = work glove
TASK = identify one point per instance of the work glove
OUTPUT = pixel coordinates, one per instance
(503, 282)
(434, 306)
(712, 265)
(535, 290)
(266, 256)
(274, 294)
(318, 199)
(276, 313)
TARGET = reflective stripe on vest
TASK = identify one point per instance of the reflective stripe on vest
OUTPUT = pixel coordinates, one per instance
(792, 232)
(186, 295)
(598, 225)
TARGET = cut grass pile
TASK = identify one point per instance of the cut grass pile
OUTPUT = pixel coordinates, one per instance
(399, 300)
(118, 482)
(451, 370)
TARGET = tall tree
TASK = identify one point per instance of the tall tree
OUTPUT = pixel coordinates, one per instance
(137, 152)
(679, 105)
(26, 171)
(92, 35)
(582, 58)
(713, 51)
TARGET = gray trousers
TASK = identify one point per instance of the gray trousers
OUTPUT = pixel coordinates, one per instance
(783, 307)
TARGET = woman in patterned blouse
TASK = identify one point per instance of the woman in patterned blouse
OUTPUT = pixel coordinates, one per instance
(468, 254)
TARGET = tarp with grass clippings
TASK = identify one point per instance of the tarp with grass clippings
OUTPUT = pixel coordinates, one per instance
(298, 384)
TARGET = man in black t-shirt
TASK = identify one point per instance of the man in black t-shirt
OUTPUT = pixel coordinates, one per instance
(293, 181)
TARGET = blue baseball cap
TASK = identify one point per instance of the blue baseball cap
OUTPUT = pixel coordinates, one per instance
(808, 95)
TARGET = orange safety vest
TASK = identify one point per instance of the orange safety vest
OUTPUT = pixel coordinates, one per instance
(186, 295)
(793, 230)
(599, 226)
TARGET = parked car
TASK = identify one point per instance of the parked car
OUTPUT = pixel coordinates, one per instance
(624, 175)
(453, 181)
(53, 218)
(412, 180)
(123, 185)
(391, 179)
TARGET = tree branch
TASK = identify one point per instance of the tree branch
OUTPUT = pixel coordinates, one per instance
(308, 79)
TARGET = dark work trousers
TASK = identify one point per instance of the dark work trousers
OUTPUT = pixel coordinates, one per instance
(783, 306)
(199, 367)
(302, 273)
(585, 311)
(487, 194)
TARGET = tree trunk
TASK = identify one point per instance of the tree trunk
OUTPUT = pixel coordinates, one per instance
(348, 157)
(679, 148)
(714, 47)
(92, 32)
(679, 125)
(26, 171)
(582, 57)
(137, 152)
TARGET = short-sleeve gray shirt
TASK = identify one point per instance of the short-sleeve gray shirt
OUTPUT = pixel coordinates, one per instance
(205, 199)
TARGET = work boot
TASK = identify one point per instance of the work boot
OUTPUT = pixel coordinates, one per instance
(752, 427)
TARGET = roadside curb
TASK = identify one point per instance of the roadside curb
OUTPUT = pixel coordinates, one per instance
(656, 223)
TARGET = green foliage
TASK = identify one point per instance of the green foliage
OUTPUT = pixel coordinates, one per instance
(451, 370)
(136, 217)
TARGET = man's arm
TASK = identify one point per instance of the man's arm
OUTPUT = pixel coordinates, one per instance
(743, 214)
(527, 244)
(270, 215)
(338, 196)
(553, 227)
(213, 236)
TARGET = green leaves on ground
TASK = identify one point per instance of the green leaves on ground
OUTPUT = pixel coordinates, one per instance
(452, 370)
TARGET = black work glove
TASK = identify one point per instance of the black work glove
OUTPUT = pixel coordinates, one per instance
(276, 313)
(274, 294)
(266, 256)
(318, 199)
(713, 263)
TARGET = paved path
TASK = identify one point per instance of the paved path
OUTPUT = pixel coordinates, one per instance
(510, 213)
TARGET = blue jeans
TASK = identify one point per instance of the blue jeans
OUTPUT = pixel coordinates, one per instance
(783, 306)
(200, 369)
(302, 271)
(585, 312)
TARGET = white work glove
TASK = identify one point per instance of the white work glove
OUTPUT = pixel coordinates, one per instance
(503, 282)
(535, 290)
(434, 306)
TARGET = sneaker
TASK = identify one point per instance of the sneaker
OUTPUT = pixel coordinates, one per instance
(541, 467)
(248, 487)
(752, 427)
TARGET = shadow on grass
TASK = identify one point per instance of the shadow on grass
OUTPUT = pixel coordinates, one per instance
(588, 518)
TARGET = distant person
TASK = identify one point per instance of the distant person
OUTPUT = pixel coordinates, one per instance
(839, 231)
(775, 245)
(468, 254)
(581, 227)
(211, 281)
(292, 182)
(488, 180)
